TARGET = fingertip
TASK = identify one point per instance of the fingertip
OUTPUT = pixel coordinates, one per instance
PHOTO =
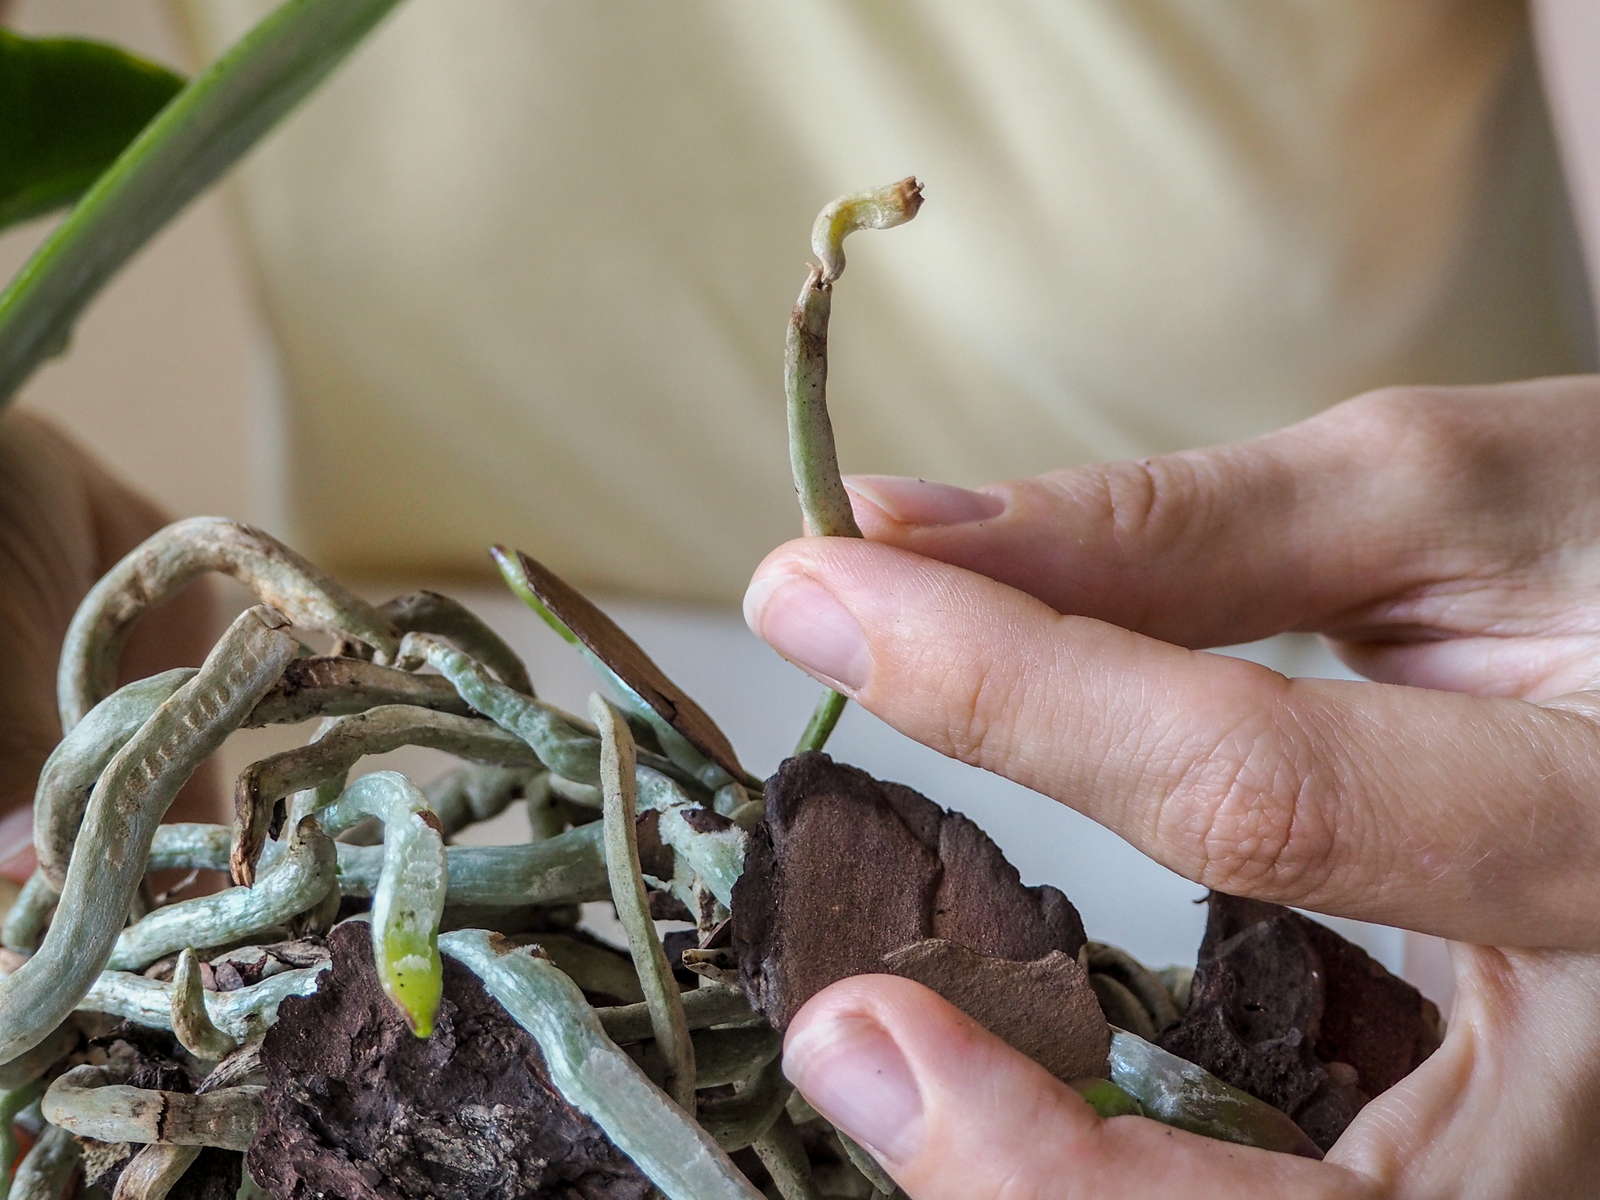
(842, 1053)
(902, 1071)
(803, 621)
(951, 1111)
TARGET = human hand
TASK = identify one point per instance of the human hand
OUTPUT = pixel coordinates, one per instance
(1448, 542)
(64, 519)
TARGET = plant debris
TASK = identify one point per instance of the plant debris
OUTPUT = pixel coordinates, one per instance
(1044, 1008)
(607, 641)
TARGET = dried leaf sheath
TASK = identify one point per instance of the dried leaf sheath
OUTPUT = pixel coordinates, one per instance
(641, 684)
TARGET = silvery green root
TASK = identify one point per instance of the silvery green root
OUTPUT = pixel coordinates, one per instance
(429, 612)
(1144, 986)
(191, 1022)
(12, 1102)
(721, 1056)
(154, 1171)
(737, 1121)
(477, 793)
(1178, 1093)
(296, 882)
(242, 1014)
(29, 914)
(90, 1102)
(596, 1077)
(69, 773)
(661, 996)
(594, 967)
(327, 686)
(159, 567)
(702, 1008)
(26, 1068)
(128, 802)
(574, 754)
(342, 743)
(565, 869)
(784, 1157)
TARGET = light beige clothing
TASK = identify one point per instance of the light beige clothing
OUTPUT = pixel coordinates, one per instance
(529, 263)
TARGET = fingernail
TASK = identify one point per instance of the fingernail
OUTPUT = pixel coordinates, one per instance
(800, 619)
(921, 502)
(851, 1071)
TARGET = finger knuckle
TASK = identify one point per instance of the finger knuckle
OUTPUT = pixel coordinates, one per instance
(1249, 816)
(1428, 430)
(1148, 503)
(984, 700)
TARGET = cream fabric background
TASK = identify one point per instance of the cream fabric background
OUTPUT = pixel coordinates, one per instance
(529, 261)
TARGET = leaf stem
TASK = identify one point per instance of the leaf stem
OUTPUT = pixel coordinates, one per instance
(826, 715)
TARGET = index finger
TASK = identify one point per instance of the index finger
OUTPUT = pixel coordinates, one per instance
(1467, 817)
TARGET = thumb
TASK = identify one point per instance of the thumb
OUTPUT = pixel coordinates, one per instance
(953, 1113)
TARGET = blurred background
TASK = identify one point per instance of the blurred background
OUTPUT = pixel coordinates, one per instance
(520, 273)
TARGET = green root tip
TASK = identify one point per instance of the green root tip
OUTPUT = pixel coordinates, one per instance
(1107, 1099)
(416, 993)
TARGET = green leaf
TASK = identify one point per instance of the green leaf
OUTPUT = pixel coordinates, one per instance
(193, 140)
(70, 107)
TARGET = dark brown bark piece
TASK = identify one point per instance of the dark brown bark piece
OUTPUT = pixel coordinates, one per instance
(356, 1107)
(607, 641)
(846, 869)
(1296, 1015)
(1044, 1008)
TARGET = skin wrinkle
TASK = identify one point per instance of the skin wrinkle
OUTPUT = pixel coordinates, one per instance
(1241, 818)
(1321, 809)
